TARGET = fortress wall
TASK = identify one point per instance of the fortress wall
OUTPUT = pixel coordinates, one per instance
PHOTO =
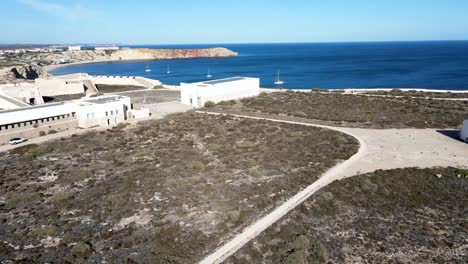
(122, 80)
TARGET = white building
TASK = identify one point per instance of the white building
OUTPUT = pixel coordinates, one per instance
(102, 111)
(464, 131)
(30, 121)
(107, 48)
(197, 94)
(74, 47)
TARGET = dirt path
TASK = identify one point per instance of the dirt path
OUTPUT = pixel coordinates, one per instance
(379, 149)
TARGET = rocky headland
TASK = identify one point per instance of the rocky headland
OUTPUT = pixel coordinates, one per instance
(29, 66)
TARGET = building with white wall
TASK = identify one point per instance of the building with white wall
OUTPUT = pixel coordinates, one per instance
(106, 48)
(102, 111)
(30, 121)
(74, 47)
(79, 83)
(197, 94)
(464, 131)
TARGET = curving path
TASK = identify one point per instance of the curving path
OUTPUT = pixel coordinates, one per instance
(379, 149)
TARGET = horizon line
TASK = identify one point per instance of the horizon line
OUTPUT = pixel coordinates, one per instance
(239, 43)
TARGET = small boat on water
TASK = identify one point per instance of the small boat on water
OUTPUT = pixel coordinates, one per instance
(278, 80)
(168, 70)
(209, 74)
(147, 69)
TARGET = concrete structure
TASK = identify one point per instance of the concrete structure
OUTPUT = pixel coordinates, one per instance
(32, 121)
(464, 131)
(74, 47)
(102, 111)
(79, 83)
(197, 94)
(107, 48)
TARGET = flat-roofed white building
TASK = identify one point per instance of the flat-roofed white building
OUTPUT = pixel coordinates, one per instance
(30, 121)
(102, 111)
(197, 94)
(76, 47)
(464, 131)
(106, 48)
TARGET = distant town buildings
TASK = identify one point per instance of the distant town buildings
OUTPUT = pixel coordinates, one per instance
(56, 48)
(197, 94)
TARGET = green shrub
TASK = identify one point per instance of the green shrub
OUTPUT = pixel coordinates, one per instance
(256, 173)
(209, 104)
(171, 183)
(233, 216)
(44, 232)
(300, 114)
(61, 198)
(120, 126)
(42, 133)
(32, 149)
(75, 175)
(81, 249)
(158, 87)
(214, 147)
(198, 165)
(52, 131)
(19, 198)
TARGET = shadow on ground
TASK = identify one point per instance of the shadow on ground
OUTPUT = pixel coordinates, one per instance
(453, 134)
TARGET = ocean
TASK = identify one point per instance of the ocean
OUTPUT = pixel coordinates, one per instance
(430, 64)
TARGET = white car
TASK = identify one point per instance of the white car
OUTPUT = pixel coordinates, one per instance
(15, 141)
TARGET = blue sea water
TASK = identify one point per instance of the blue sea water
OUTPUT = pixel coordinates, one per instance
(431, 65)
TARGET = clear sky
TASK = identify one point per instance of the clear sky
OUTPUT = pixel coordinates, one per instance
(230, 21)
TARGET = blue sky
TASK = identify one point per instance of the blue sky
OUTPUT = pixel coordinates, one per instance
(223, 21)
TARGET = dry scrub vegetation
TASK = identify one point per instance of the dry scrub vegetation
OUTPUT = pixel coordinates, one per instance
(415, 93)
(165, 191)
(396, 216)
(355, 110)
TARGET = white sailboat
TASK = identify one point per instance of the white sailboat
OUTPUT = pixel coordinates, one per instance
(278, 81)
(147, 68)
(168, 71)
(209, 74)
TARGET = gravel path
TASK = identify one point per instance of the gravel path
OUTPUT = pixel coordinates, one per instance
(379, 149)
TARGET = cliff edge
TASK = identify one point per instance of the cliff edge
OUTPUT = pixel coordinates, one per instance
(29, 66)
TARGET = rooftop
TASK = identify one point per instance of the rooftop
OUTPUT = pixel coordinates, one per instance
(104, 99)
(27, 108)
(232, 79)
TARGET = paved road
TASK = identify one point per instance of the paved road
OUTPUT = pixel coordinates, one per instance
(379, 149)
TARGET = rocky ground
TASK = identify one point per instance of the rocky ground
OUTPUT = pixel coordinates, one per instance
(396, 216)
(355, 110)
(164, 191)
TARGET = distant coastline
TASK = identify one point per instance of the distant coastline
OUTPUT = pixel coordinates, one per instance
(31, 66)
(439, 65)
